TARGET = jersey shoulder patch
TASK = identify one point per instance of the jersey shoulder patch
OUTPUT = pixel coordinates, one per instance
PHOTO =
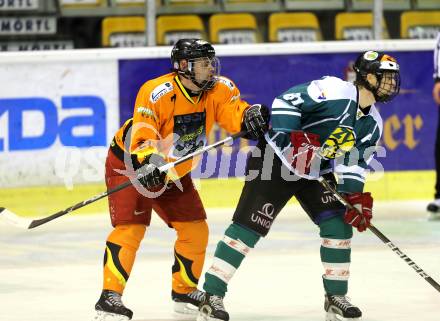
(331, 88)
(226, 82)
(146, 112)
(160, 91)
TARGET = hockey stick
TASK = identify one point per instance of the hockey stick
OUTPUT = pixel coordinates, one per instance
(26, 223)
(383, 238)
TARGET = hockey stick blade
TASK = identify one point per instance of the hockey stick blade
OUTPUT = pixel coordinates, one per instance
(13, 219)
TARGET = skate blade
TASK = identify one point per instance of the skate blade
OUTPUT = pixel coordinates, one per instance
(434, 216)
(182, 308)
(331, 316)
(204, 317)
(183, 317)
(106, 316)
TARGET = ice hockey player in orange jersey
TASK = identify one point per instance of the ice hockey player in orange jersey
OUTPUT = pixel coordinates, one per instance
(173, 115)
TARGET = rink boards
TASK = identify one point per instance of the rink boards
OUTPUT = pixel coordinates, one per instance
(60, 110)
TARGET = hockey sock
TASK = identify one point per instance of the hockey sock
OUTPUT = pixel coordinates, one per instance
(335, 254)
(122, 245)
(189, 254)
(229, 254)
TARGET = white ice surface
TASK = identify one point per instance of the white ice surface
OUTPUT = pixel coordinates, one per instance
(54, 272)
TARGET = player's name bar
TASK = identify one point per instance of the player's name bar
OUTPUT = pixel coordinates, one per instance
(36, 45)
(30, 25)
(15, 5)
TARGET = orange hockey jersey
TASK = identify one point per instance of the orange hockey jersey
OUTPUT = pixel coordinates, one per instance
(167, 120)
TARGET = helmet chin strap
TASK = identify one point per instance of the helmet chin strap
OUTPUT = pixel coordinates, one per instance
(192, 76)
(188, 75)
(202, 85)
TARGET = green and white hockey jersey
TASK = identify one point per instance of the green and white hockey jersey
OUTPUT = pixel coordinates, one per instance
(329, 107)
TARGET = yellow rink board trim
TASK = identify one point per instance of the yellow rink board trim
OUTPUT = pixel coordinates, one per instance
(43, 201)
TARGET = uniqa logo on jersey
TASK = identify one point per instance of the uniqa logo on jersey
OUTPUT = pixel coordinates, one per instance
(340, 141)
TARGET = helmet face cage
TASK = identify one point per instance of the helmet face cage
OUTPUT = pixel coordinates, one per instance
(203, 72)
(388, 86)
(387, 73)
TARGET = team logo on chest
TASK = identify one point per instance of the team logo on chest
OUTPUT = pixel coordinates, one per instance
(190, 133)
(340, 141)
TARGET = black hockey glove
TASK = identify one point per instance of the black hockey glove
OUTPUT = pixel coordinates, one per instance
(256, 121)
(148, 174)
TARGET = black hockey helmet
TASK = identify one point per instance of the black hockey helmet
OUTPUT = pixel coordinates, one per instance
(385, 68)
(194, 50)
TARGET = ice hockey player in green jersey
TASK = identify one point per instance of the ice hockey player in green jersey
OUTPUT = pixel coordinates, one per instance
(324, 128)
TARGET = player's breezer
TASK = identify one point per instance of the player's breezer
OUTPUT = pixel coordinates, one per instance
(312, 124)
(173, 115)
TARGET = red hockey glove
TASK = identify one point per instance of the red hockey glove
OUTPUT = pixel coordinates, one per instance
(304, 146)
(364, 203)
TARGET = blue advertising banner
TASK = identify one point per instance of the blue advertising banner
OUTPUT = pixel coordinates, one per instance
(410, 120)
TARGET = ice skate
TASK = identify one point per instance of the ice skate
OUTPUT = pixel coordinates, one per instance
(212, 309)
(187, 303)
(434, 210)
(338, 308)
(110, 308)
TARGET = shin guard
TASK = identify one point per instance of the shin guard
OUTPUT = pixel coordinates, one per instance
(189, 254)
(335, 254)
(229, 254)
(122, 245)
